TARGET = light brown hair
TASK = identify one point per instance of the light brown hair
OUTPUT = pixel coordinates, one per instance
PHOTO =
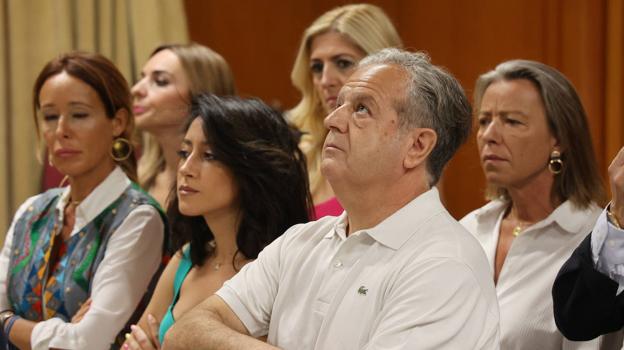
(579, 180)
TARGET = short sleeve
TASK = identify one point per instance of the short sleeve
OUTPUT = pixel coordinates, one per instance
(251, 293)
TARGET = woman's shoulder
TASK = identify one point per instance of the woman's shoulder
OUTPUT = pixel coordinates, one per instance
(139, 196)
(134, 201)
(38, 202)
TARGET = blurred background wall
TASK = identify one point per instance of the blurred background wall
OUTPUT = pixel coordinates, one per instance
(581, 38)
(259, 38)
(34, 31)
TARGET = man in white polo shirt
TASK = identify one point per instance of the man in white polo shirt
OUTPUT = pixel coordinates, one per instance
(395, 270)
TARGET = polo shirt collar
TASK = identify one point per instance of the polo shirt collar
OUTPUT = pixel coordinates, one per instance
(396, 229)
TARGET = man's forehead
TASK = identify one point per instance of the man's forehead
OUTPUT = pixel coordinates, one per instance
(378, 78)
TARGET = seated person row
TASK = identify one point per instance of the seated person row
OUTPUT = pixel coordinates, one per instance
(496, 273)
(389, 271)
(248, 134)
(241, 183)
(99, 239)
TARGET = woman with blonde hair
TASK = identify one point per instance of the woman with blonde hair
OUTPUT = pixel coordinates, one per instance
(329, 51)
(172, 75)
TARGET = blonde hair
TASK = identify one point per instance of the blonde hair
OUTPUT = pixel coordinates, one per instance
(371, 30)
(207, 72)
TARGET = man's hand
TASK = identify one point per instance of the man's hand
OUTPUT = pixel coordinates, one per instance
(211, 325)
(616, 181)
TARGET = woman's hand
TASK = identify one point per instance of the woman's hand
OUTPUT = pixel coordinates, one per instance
(138, 339)
(81, 312)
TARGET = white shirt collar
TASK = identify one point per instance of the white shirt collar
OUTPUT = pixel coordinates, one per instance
(99, 199)
(396, 229)
(564, 215)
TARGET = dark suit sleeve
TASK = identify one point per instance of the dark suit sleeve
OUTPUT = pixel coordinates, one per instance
(585, 301)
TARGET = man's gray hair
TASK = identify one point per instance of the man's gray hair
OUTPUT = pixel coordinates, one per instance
(434, 99)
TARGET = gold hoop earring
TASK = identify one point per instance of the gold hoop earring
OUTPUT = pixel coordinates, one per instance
(121, 150)
(555, 164)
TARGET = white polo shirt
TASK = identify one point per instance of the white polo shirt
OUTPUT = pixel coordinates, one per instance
(418, 280)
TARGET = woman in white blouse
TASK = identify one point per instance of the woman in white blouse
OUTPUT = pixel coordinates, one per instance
(544, 191)
(97, 242)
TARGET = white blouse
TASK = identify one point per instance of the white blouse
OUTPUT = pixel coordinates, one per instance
(525, 281)
(133, 255)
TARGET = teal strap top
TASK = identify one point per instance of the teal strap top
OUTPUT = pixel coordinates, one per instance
(183, 270)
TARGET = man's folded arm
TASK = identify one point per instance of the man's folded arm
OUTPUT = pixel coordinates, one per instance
(211, 325)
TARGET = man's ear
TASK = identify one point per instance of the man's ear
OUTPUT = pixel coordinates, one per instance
(421, 143)
(119, 121)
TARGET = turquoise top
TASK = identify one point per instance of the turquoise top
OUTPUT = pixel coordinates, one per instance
(183, 270)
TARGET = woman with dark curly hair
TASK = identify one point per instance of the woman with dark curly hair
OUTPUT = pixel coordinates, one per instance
(241, 183)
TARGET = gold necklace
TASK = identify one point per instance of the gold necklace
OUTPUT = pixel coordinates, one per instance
(519, 227)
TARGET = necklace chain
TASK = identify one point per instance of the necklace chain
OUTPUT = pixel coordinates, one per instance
(520, 226)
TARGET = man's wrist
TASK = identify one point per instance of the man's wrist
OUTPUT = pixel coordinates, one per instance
(613, 218)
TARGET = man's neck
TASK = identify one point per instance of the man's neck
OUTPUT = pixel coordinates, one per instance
(366, 209)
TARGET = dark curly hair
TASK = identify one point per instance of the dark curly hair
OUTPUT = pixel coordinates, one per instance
(260, 149)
